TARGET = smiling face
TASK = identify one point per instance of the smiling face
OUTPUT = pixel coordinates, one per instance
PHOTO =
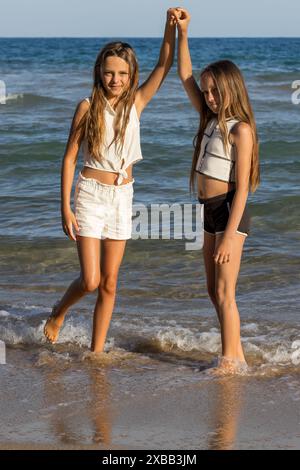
(210, 91)
(115, 76)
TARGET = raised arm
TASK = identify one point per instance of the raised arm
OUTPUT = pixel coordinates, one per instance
(148, 89)
(185, 69)
(68, 170)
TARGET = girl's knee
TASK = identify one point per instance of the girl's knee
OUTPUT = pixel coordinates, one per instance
(108, 284)
(89, 284)
(224, 297)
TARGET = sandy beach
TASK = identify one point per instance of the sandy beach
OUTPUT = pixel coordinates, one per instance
(88, 404)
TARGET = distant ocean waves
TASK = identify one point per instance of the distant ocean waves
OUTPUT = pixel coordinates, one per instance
(29, 100)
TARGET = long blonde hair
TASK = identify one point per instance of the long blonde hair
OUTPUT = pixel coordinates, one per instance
(234, 104)
(92, 125)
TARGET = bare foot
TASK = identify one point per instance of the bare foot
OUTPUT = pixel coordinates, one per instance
(53, 325)
(229, 366)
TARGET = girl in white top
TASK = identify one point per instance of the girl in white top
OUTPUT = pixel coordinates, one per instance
(107, 127)
(226, 165)
(113, 159)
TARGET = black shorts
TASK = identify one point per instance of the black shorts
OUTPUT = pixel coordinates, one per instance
(217, 211)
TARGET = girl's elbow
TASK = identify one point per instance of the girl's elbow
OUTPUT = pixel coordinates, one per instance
(169, 65)
(181, 75)
(184, 74)
(241, 188)
(169, 62)
(69, 159)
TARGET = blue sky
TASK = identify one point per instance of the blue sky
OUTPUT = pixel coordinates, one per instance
(129, 18)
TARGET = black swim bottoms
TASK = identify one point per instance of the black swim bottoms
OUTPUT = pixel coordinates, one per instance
(217, 211)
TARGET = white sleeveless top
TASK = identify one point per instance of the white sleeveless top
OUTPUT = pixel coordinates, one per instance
(213, 160)
(113, 159)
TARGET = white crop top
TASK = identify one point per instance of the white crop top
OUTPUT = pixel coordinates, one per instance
(213, 159)
(112, 160)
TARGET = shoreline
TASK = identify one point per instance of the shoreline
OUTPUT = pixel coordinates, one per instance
(93, 406)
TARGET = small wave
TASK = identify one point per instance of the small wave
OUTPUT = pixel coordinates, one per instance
(16, 329)
(29, 99)
(112, 356)
(284, 354)
(116, 357)
(276, 77)
(186, 340)
(3, 313)
(48, 358)
(280, 148)
(273, 345)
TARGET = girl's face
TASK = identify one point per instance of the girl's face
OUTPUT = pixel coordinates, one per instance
(115, 76)
(210, 91)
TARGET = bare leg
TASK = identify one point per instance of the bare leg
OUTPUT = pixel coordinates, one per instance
(225, 282)
(112, 252)
(89, 279)
(210, 268)
(208, 251)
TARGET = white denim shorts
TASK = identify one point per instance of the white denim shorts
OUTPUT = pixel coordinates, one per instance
(103, 210)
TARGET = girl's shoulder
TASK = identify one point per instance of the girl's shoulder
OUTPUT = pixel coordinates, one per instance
(235, 125)
(81, 109)
(83, 104)
(242, 132)
(241, 127)
(86, 101)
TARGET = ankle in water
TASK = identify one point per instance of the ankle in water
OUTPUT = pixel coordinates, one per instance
(232, 365)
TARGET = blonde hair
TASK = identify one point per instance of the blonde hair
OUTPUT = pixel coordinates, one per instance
(234, 104)
(92, 125)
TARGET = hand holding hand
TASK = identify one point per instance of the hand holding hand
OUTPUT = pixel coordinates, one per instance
(181, 18)
(171, 18)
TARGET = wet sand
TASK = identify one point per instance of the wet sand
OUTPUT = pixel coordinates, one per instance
(93, 405)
